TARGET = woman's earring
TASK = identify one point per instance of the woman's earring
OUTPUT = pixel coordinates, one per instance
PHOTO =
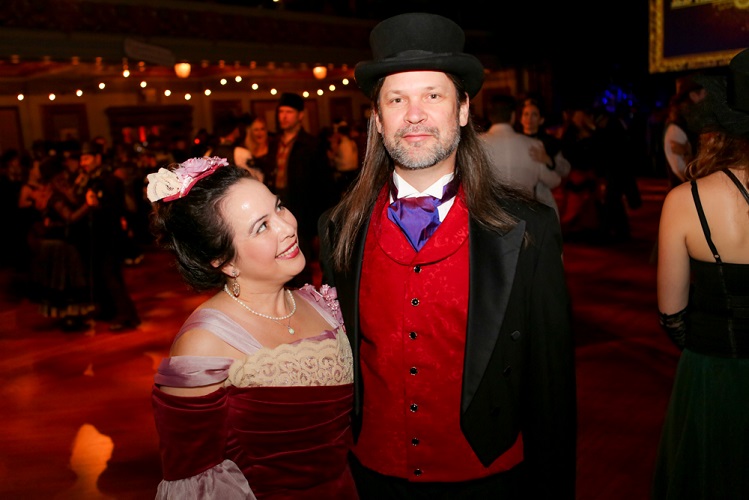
(235, 286)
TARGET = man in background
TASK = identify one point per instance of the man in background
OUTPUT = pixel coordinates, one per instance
(103, 251)
(511, 151)
(302, 178)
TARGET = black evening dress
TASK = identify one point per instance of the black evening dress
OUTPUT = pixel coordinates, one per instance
(704, 447)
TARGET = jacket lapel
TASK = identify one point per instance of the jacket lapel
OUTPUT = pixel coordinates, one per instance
(347, 288)
(494, 259)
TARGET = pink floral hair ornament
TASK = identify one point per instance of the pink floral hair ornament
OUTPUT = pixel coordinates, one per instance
(168, 185)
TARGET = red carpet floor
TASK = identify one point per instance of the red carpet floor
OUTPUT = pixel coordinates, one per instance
(76, 410)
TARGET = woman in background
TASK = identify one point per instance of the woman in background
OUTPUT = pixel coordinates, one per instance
(60, 276)
(703, 299)
(256, 141)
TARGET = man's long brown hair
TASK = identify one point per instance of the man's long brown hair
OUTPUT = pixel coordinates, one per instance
(472, 167)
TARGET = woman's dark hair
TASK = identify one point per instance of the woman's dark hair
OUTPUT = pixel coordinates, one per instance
(193, 229)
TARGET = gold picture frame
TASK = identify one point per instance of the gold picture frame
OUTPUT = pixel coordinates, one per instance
(692, 34)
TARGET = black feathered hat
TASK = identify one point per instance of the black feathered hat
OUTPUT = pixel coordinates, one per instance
(726, 105)
(419, 42)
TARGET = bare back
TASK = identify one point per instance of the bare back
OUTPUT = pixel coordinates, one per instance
(681, 235)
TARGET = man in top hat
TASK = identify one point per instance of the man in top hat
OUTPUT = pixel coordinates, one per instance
(301, 176)
(460, 322)
(106, 241)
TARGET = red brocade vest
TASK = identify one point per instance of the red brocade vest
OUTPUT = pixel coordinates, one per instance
(413, 316)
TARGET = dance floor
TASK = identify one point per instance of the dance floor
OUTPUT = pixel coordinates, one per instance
(76, 407)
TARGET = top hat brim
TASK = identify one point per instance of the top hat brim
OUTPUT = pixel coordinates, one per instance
(465, 66)
(291, 100)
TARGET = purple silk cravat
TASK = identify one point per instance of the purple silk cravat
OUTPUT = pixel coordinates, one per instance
(418, 218)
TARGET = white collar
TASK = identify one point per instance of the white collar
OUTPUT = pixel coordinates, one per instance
(406, 190)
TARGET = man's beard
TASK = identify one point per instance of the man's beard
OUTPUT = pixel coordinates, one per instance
(420, 156)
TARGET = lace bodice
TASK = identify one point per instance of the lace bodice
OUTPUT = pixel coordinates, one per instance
(322, 360)
(325, 359)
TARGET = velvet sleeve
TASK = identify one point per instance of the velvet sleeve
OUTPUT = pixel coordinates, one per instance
(192, 431)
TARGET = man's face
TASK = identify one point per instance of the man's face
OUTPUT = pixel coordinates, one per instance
(419, 118)
(289, 118)
(531, 119)
(89, 162)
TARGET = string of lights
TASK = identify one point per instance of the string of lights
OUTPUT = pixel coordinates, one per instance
(80, 79)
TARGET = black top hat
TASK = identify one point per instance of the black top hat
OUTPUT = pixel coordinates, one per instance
(726, 106)
(292, 100)
(91, 148)
(419, 42)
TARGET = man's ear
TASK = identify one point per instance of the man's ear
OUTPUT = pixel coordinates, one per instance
(377, 121)
(463, 112)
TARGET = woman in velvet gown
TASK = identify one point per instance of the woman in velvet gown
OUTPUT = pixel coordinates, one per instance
(254, 400)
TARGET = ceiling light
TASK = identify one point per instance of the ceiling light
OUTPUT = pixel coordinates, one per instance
(320, 72)
(182, 69)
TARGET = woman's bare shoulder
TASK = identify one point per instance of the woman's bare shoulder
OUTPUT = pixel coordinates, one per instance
(201, 342)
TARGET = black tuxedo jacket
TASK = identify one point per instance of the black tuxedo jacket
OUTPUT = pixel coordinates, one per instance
(309, 189)
(518, 369)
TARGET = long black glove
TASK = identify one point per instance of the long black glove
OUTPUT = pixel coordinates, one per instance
(675, 326)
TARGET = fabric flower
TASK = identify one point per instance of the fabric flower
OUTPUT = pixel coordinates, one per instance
(330, 294)
(168, 185)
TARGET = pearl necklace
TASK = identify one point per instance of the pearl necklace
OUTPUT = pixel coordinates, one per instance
(276, 319)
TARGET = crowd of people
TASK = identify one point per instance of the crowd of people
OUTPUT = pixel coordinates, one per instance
(73, 230)
(442, 325)
(584, 164)
(66, 249)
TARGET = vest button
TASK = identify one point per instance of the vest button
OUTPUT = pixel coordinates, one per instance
(413, 370)
(417, 472)
(415, 441)
(412, 335)
(515, 335)
(417, 269)
(414, 302)
(414, 407)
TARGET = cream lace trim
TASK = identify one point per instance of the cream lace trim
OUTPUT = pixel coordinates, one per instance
(327, 362)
